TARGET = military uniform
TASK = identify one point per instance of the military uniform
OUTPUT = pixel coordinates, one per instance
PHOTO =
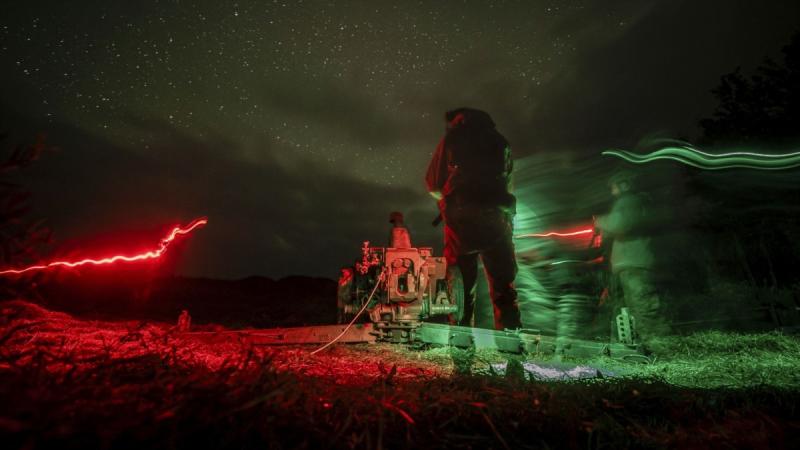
(630, 225)
(470, 175)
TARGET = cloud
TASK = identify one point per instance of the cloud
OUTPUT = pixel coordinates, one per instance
(265, 218)
(654, 74)
(338, 108)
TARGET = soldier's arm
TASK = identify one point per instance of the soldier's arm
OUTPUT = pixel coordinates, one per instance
(622, 219)
(436, 175)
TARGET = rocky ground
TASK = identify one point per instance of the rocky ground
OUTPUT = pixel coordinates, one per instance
(76, 383)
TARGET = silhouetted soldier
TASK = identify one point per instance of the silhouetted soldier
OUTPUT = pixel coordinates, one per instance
(344, 293)
(184, 322)
(470, 176)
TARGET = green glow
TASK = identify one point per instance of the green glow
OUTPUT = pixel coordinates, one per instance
(567, 261)
(705, 360)
(709, 161)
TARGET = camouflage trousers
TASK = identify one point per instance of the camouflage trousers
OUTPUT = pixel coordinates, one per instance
(473, 232)
(637, 289)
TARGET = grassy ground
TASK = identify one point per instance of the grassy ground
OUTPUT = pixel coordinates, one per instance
(70, 383)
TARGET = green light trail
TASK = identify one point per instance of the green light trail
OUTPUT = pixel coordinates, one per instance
(566, 261)
(709, 161)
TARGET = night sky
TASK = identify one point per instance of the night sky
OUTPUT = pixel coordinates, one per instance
(297, 126)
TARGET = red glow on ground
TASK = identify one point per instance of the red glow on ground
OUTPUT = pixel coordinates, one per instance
(152, 254)
(75, 344)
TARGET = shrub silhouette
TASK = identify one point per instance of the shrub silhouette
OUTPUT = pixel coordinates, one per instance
(21, 238)
(764, 108)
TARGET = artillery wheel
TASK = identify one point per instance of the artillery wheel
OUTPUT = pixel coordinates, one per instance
(455, 292)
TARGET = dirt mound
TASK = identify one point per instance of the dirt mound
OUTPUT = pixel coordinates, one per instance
(22, 310)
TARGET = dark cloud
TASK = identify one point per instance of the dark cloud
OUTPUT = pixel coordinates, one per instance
(338, 108)
(655, 77)
(264, 219)
(296, 129)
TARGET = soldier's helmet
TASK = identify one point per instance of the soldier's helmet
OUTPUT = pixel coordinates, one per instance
(624, 179)
(396, 217)
(468, 116)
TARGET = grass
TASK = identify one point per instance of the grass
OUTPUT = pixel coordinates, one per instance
(69, 383)
(714, 359)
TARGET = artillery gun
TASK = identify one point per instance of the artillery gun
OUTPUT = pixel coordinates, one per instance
(406, 295)
(399, 288)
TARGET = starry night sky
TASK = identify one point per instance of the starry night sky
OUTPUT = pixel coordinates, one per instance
(297, 126)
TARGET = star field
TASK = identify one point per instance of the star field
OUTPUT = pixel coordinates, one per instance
(296, 126)
(212, 68)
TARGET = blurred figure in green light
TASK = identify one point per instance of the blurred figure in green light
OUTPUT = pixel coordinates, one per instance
(628, 228)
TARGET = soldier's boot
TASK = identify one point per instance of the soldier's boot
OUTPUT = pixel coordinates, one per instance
(507, 317)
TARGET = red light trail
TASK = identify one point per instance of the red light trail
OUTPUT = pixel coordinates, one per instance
(152, 254)
(558, 234)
